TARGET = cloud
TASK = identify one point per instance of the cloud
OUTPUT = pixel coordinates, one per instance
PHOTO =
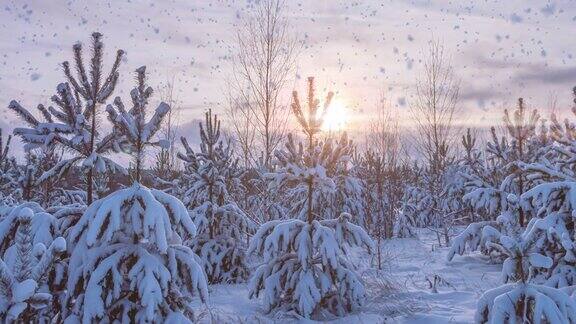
(477, 94)
(349, 47)
(553, 75)
(190, 130)
(482, 97)
(194, 107)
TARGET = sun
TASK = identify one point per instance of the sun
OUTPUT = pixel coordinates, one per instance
(336, 118)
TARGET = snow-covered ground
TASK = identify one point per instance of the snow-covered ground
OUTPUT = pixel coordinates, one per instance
(400, 293)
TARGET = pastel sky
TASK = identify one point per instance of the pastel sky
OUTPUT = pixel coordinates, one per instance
(500, 49)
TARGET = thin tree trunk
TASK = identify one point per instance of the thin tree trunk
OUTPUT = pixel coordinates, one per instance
(89, 180)
(310, 187)
(379, 252)
(90, 176)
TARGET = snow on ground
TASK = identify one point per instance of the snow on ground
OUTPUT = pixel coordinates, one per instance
(399, 293)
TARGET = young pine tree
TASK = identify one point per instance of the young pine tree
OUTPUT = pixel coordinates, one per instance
(494, 190)
(74, 123)
(128, 261)
(304, 268)
(552, 203)
(213, 175)
(28, 178)
(24, 270)
(524, 301)
(43, 229)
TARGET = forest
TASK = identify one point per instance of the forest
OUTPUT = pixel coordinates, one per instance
(278, 215)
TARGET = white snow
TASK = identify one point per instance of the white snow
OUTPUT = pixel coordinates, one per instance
(400, 293)
(21, 291)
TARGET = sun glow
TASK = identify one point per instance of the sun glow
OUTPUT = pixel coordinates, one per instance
(336, 118)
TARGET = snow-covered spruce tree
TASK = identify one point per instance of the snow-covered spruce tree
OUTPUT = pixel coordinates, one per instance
(471, 163)
(31, 181)
(74, 124)
(304, 268)
(494, 190)
(455, 183)
(128, 261)
(492, 199)
(523, 301)
(444, 203)
(23, 272)
(27, 181)
(222, 226)
(63, 127)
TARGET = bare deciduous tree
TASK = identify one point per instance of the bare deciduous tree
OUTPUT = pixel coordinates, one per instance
(384, 177)
(433, 111)
(385, 133)
(166, 160)
(243, 130)
(264, 64)
(552, 103)
(434, 107)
